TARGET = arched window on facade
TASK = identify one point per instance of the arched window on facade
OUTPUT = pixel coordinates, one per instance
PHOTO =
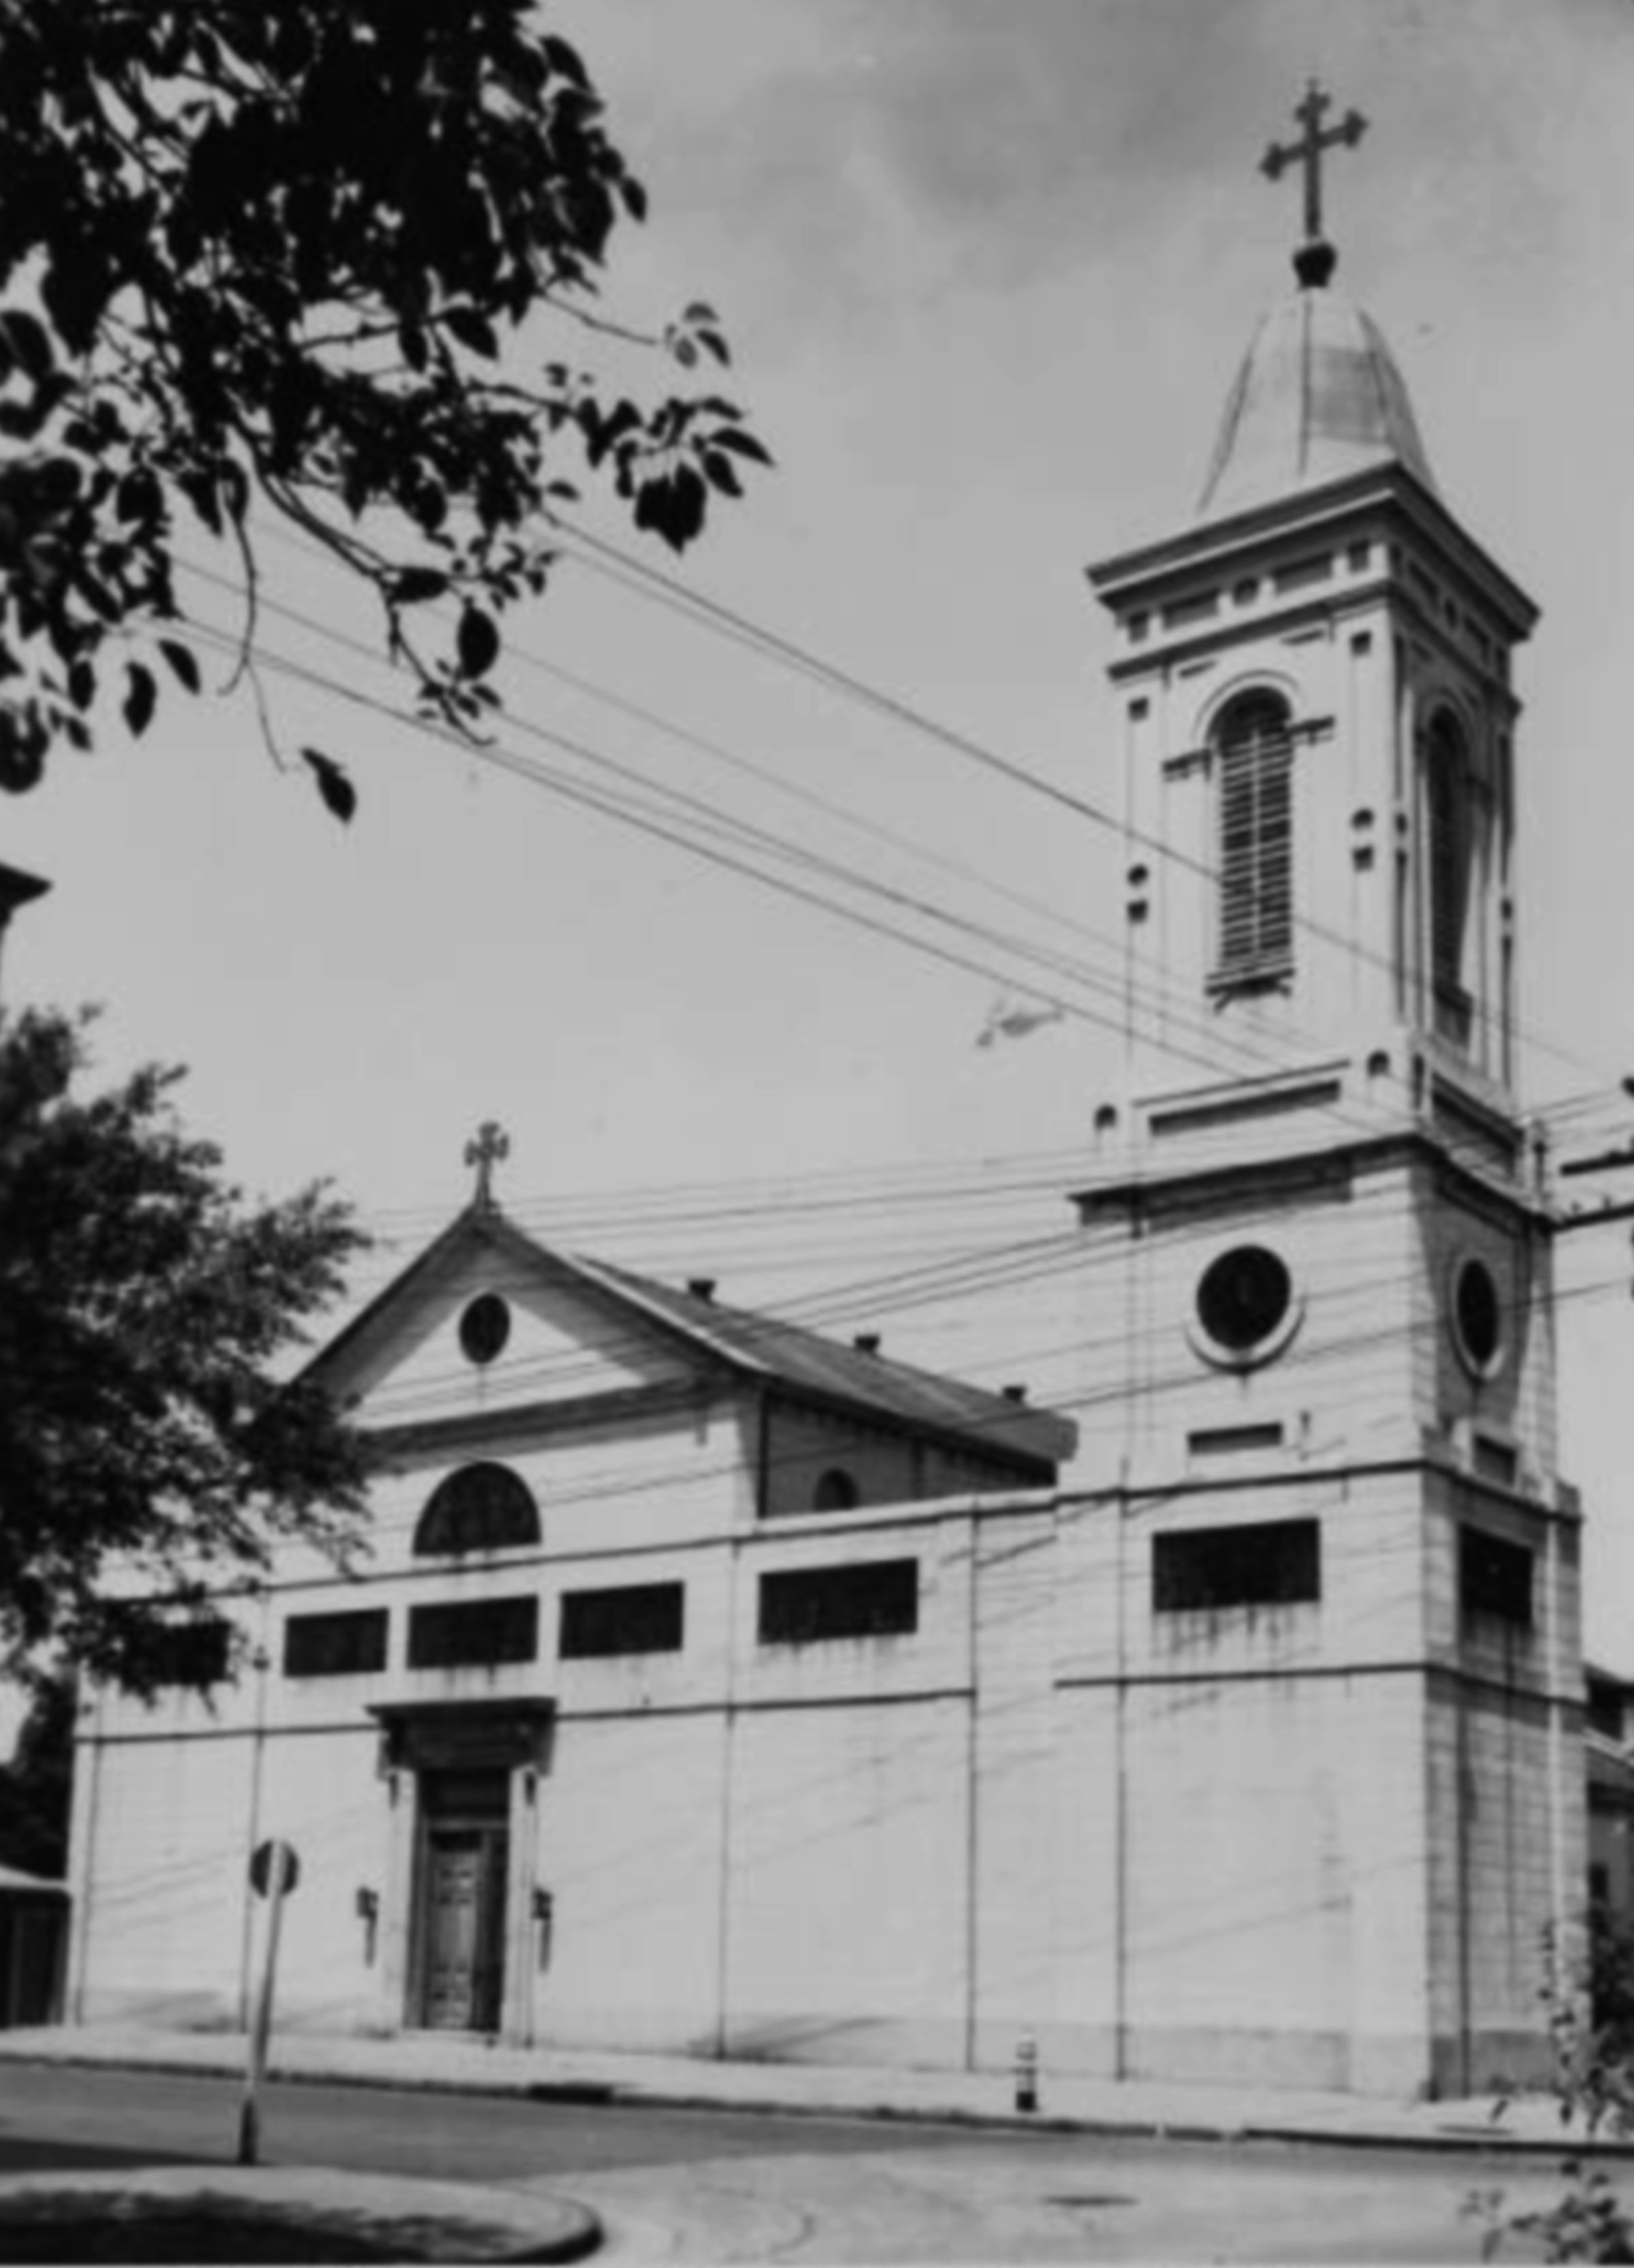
(477, 1508)
(1448, 803)
(1254, 807)
(836, 1492)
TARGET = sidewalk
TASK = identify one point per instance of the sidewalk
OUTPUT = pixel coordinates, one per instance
(982, 2098)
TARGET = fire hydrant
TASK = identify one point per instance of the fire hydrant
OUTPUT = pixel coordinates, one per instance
(1026, 2073)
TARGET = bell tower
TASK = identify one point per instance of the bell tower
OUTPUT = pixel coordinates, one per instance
(1317, 1249)
(1314, 691)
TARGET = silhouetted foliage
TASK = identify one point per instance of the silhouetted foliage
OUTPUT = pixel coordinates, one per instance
(36, 1786)
(1590, 2000)
(316, 260)
(142, 1302)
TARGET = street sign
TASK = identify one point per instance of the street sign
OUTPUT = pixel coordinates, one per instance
(267, 1855)
(274, 1872)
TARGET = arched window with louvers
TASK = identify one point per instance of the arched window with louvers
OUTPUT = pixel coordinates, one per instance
(1452, 828)
(1253, 751)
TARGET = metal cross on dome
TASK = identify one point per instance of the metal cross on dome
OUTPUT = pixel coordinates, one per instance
(492, 1143)
(1307, 151)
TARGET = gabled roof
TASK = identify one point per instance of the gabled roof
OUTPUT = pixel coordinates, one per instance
(805, 1361)
(728, 1341)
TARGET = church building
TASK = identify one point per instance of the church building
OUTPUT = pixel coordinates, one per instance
(713, 1687)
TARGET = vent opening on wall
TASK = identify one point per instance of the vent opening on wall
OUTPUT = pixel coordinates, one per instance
(1230, 1441)
(1496, 1460)
(192, 1654)
(1494, 1577)
(631, 1618)
(474, 1631)
(1262, 1564)
(335, 1645)
(875, 1598)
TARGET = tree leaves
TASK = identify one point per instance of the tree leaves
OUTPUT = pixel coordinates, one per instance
(140, 700)
(722, 473)
(415, 586)
(36, 1786)
(697, 330)
(24, 740)
(274, 261)
(478, 642)
(472, 328)
(26, 344)
(182, 660)
(339, 795)
(143, 1304)
(564, 59)
(741, 445)
(672, 505)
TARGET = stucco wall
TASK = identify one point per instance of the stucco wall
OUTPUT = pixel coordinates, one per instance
(1188, 1844)
(631, 1851)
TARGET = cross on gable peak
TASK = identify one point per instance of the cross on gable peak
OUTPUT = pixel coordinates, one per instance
(491, 1146)
(1314, 262)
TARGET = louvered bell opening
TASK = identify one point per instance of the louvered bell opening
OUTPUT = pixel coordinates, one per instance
(1449, 885)
(1256, 791)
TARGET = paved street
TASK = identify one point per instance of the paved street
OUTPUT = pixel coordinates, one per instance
(694, 2185)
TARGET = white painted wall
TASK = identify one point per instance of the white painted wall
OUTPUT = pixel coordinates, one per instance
(1191, 1844)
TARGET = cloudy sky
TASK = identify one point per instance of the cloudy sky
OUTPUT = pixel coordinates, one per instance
(988, 270)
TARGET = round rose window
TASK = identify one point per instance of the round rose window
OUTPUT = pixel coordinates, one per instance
(1478, 1315)
(1244, 1298)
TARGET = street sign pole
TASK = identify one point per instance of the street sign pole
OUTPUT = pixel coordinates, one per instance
(274, 1872)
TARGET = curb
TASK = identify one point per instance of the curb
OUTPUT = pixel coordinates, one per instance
(1498, 2144)
(399, 2217)
(613, 2095)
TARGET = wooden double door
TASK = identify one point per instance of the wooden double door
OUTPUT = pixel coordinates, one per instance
(464, 1858)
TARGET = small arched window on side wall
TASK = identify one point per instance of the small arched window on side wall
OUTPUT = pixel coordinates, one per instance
(483, 1507)
(836, 1492)
(1254, 841)
(1452, 845)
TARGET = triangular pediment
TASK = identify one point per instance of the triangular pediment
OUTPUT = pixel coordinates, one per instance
(424, 1350)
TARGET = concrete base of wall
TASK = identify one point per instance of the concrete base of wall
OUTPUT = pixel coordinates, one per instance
(1395, 2067)
(1489, 2062)
(171, 2012)
(904, 2044)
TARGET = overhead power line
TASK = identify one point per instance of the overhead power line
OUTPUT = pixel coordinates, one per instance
(653, 583)
(665, 824)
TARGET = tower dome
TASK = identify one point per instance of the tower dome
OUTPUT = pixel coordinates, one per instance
(1318, 396)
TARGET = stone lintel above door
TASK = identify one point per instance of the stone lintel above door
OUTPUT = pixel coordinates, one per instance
(443, 1736)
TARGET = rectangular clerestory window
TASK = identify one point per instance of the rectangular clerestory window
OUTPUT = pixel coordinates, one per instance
(349, 1645)
(874, 1598)
(1264, 1562)
(633, 1618)
(473, 1631)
